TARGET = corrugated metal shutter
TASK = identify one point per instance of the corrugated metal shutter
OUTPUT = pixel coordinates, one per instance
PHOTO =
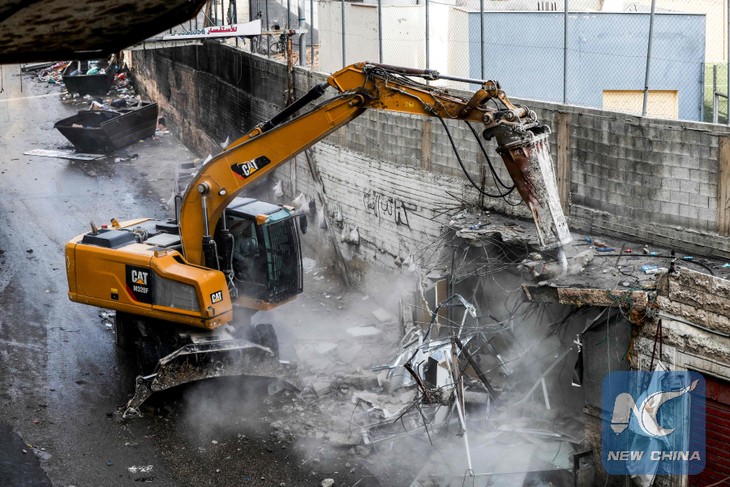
(718, 435)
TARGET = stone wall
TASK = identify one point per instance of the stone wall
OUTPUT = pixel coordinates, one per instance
(395, 178)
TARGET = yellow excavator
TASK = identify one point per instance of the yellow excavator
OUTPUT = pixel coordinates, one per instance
(184, 290)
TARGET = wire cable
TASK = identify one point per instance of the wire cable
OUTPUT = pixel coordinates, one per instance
(496, 177)
(461, 163)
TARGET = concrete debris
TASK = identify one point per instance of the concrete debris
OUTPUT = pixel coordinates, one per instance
(475, 227)
(543, 270)
(327, 483)
(363, 331)
(278, 190)
(324, 348)
(362, 382)
(321, 387)
(303, 204)
(383, 316)
(350, 235)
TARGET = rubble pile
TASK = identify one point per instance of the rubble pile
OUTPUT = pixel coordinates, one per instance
(452, 388)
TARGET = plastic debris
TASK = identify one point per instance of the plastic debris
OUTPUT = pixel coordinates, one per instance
(652, 269)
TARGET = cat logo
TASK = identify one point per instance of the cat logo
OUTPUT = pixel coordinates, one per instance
(139, 277)
(139, 284)
(248, 168)
(216, 297)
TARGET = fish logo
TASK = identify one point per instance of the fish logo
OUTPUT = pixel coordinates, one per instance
(645, 412)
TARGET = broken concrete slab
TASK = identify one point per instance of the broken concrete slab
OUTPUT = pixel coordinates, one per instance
(383, 316)
(362, 382)
(363, 331)
(321, 387)
(324, 347)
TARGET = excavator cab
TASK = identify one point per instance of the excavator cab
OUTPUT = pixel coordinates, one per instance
(259, 249)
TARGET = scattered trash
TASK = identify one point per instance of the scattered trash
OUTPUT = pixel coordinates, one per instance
(350, 235)
(278, 191)
(107, 318)
(64, 154)
(652, 269)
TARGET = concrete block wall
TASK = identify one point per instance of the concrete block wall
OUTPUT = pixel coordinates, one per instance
(647, 180)
(392, 206)
(210, 93)
(392, 175)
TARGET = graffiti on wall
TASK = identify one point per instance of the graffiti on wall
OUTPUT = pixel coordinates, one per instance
(387, 207)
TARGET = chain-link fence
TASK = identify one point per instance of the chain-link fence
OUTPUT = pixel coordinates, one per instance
(658, 58)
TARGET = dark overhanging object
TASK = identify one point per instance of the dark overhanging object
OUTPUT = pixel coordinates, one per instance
(58, 30)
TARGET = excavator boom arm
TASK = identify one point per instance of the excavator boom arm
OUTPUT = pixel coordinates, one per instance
(361, 86)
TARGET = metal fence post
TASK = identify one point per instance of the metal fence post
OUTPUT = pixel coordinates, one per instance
(565, 53)
(235, 18)
(428, 46)
(648, 58)
(302, 23)
(268, 27)
(311, 29)
(380, 31)
(481, 38)
(344, 63)
(715, 103)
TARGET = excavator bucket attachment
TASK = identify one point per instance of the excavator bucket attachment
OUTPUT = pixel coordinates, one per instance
(209, 359)
(526, 154)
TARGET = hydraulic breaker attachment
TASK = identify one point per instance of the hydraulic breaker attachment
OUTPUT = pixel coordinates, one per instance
(525, 151)
(208, 359)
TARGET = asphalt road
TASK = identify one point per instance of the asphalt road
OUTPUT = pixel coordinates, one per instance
(61, 378)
